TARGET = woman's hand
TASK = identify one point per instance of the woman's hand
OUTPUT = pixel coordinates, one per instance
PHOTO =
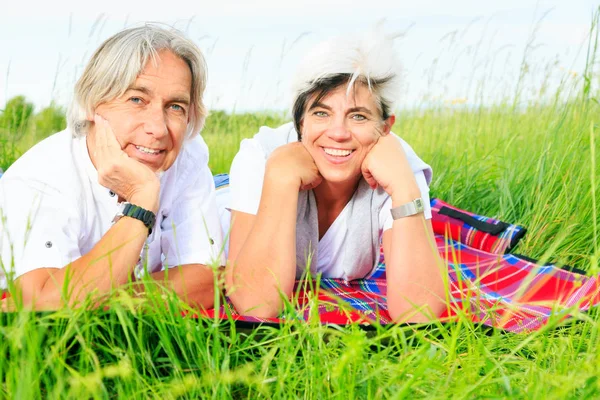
(293, 163)
(386, 165)
(128, 178)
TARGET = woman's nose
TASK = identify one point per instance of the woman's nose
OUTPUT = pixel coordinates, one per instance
(338, 130)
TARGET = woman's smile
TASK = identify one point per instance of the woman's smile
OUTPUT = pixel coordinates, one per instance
(336, 155)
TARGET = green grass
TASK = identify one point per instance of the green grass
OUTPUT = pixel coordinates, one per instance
(535, 165)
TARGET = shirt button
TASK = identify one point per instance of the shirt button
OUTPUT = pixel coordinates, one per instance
(211, 241)
(112, 194)
(48, 244)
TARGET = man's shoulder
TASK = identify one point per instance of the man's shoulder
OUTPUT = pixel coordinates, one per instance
(194, 151)
(191, 162)
(49, 163)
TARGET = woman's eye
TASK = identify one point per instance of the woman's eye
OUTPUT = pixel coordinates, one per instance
(136, 100)
(320, 114)
(359, 117)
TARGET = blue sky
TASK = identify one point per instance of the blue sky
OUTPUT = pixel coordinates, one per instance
(453, 51)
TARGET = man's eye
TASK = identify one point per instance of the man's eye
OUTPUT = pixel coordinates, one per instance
(320, 114)
(177, 107)
(358, 117)
(136, 100)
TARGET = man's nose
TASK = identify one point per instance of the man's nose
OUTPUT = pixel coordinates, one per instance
(155, 122)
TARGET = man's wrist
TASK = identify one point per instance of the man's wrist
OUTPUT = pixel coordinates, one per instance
(148, 199)
(147, 217)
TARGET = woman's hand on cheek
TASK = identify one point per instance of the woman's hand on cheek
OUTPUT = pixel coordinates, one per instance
(130, 179)
(293, 163)
(386, 165)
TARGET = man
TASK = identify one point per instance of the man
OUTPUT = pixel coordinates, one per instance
(125, 190)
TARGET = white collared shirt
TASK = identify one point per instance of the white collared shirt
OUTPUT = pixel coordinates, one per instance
(245, 190)
(53, 210)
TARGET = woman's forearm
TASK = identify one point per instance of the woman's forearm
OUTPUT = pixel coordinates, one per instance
(265, 267)
(415, 287)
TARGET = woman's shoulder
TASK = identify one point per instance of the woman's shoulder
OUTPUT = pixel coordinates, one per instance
(416, 163)
(268, 139)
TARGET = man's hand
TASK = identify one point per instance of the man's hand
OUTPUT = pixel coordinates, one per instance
(292, 162)
(128, 178)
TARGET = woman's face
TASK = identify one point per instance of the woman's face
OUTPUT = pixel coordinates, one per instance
(339, 130)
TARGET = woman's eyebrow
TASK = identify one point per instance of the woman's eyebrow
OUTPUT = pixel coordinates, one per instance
(319, 105)
(359, 109)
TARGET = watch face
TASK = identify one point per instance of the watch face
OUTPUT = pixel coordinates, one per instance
(419, 205)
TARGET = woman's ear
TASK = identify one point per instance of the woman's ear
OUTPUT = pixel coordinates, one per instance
(300, 126)
(387, 124)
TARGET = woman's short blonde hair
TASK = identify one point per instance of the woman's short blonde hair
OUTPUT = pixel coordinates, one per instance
(365, 58)
(117, 63)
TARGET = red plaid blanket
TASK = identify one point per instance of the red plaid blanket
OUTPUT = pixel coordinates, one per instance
(488, 285)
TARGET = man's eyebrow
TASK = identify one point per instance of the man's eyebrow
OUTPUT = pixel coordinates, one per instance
(142, 89)
(184, 99)
(360, 109)
(319, 105)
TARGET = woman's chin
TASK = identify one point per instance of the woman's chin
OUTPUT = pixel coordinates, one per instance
(340, 177)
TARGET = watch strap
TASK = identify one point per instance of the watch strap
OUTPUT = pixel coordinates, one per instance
(147, 217)
(406, 210)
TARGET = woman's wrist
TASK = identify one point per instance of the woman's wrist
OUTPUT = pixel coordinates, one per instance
(402, 194)
(282, 178)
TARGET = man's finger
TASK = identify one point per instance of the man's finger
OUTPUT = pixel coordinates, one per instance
(100, 132)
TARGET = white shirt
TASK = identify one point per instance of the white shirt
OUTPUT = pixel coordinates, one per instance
(246, 181)
(53, 210)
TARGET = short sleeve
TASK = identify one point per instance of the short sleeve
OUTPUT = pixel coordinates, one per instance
(246, 177)
(191, 232)
(385, 216)
(38, 229)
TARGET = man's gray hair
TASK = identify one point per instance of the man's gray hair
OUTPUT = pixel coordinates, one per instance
(117, 63)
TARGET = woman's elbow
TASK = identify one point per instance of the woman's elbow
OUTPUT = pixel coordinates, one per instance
(417, 310)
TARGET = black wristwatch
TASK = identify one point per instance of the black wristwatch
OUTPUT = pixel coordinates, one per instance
(131, 210)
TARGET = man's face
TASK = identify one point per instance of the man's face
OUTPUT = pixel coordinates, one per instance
(150, 119)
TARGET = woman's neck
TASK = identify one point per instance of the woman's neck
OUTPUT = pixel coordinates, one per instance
(331, 199)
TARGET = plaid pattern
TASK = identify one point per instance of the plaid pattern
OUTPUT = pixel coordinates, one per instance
(486, 284)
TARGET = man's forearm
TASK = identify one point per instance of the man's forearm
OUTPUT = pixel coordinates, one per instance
(109, 264)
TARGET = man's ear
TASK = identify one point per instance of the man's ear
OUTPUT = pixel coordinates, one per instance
(388, 123)
(89, 115)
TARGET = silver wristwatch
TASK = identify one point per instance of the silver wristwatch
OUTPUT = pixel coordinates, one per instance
(406, 210)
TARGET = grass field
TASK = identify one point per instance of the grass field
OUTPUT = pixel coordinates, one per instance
(535, 165)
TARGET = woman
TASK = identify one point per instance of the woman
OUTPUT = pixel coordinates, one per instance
(324, 192)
